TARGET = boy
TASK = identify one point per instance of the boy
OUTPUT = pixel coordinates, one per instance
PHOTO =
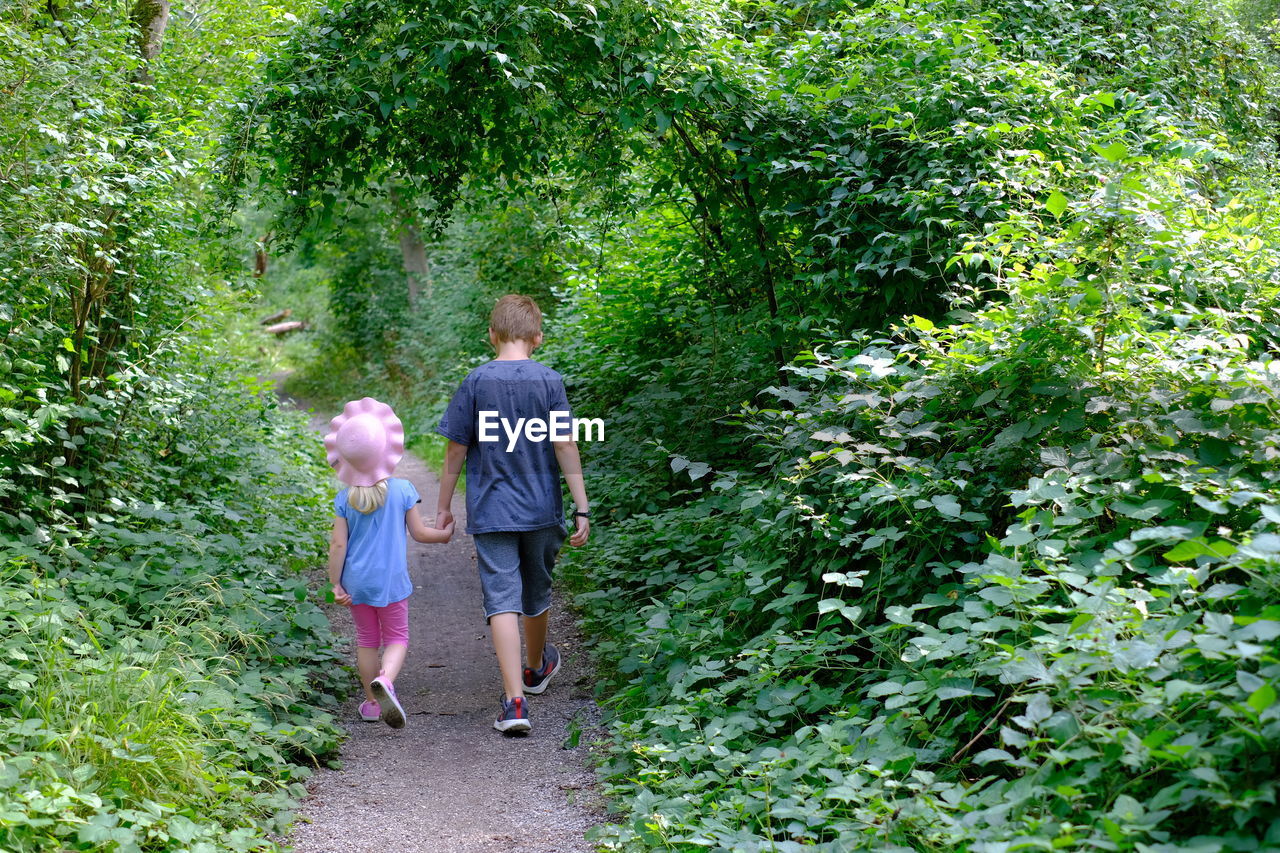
(514, 507)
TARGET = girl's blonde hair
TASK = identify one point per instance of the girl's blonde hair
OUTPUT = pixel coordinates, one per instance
(365, 499)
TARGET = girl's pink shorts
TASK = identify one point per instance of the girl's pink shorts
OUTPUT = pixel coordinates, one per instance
(381, 626)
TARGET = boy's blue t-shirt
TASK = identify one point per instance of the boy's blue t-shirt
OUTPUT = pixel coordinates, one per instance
(517, 489)
(376, 571)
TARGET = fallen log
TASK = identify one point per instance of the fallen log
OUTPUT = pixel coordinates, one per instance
(285, 328)
(276, 317)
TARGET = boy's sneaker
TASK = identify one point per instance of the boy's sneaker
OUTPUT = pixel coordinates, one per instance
(385, 692)
(514, 717)
(370, 712)
(536, 680)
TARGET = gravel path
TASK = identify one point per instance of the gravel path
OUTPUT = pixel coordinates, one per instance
(448, 781)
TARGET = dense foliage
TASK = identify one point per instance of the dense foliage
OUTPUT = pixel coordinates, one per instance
(364, 337)
(938, 346)
(161, 659)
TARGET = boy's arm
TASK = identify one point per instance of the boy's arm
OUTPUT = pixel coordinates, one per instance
(571, 466)
(420, 532)
(455, 455)
(338, 558)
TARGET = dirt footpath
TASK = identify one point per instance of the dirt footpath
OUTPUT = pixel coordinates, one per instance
(448, 781)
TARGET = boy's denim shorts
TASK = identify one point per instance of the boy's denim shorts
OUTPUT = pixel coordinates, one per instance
(515, 569)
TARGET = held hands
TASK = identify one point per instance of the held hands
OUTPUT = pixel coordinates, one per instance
(420, 532)
(582, 529)
(444, 525)
(341, 596)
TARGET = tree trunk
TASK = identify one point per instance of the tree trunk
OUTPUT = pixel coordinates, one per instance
(766, 269)
(260, 255)
(103, 309)
(151, 17)
(417, 268)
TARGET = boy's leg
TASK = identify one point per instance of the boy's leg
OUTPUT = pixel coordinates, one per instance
(505, 628)
(535, 638)
(538, 552)
(498, 559)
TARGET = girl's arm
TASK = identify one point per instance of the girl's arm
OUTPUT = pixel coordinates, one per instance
(337, 559)
(421, 533)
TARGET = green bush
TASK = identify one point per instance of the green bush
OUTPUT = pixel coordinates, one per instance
(1000, 580)
(163, 660)
(937, 346)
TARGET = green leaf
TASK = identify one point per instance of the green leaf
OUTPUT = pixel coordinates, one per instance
(1199, 547)
(986, 397)
(182, 829)
(898, 614)
(829, 605)
(1143, 512)
(947, 505)
(1056, 204)
(1115, 152)
(989, 755)
(1262, 698)
(1188, 550)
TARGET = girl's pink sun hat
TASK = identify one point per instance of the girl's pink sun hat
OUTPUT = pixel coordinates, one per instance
(365, 442)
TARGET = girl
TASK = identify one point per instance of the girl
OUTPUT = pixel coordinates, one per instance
(367, 564)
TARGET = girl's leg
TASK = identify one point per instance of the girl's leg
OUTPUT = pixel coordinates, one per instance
(367, 664)
(393, 657)
(367, 640)
(394, 622)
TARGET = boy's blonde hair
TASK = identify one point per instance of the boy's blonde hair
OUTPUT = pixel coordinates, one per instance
(365, 499)
(516, 318)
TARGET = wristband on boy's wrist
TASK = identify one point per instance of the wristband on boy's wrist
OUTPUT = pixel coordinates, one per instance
(585, 513)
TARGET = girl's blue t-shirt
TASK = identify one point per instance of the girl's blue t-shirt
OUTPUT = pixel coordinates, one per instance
(376, 570)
